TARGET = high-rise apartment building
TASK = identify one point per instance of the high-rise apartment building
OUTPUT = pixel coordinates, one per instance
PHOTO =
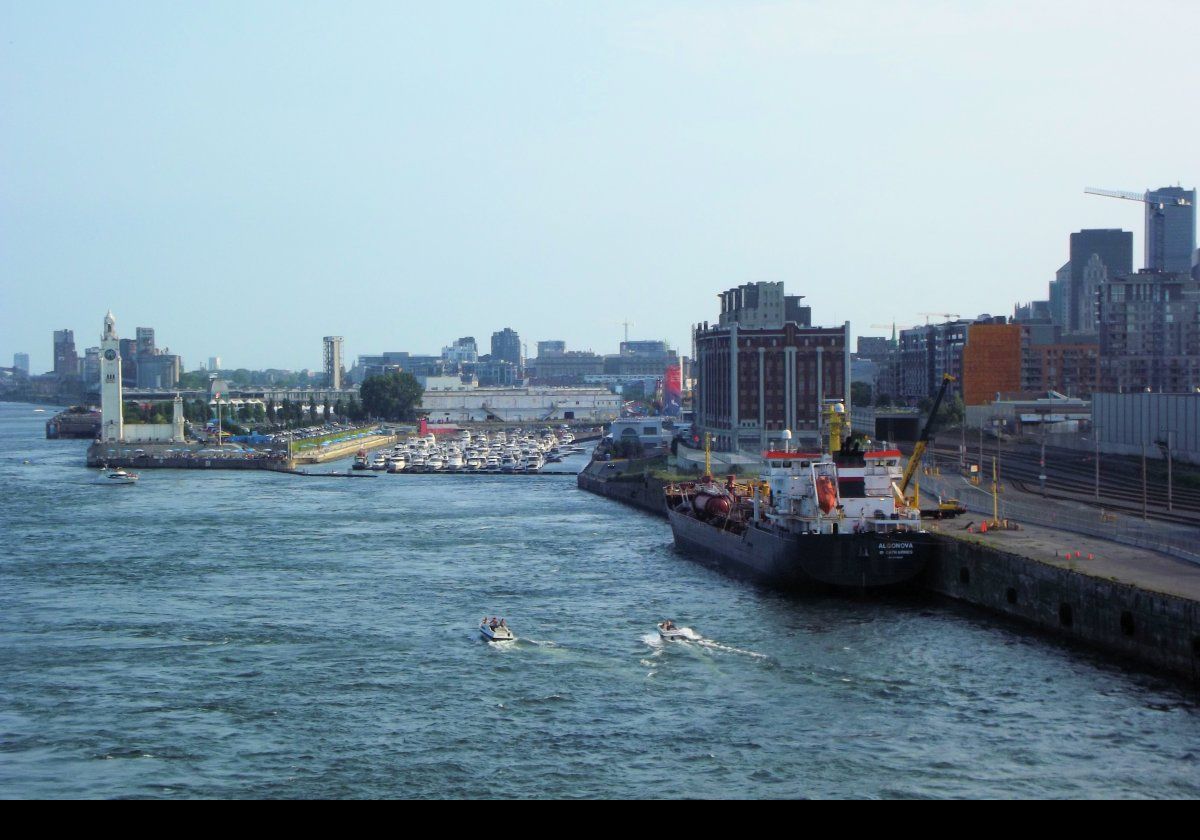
(926, 354)
(1150, 333)
(551, 348)
(21, 362)
(464, 351)
(506, 347)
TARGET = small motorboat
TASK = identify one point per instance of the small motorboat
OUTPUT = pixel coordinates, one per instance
(669, 631)
(496, 630)
(110, 476)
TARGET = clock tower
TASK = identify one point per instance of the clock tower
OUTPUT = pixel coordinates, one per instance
(112, 425)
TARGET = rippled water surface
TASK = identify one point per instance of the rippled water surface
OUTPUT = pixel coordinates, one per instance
(231, 634)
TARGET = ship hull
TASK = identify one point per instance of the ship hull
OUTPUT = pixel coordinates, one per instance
(806, 561)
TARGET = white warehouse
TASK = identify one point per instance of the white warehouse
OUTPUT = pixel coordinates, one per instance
(468, 404)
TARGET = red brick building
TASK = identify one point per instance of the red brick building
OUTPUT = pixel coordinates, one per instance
(763, 369)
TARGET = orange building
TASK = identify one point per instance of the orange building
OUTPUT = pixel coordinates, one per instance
(991, 362)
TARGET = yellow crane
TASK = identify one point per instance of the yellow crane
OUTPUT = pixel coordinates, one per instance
(923, 442)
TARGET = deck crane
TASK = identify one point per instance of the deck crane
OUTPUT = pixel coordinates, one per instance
(922, 442)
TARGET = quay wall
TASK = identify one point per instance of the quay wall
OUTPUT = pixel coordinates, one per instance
(638, 490)
(1155, 629)
(196, 462)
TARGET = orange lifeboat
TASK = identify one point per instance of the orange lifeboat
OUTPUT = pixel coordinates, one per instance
(826, 493)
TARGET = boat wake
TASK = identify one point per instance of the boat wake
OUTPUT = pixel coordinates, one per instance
(711, 645)
(656, 641)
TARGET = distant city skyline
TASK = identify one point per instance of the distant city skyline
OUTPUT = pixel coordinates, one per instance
(249, 181)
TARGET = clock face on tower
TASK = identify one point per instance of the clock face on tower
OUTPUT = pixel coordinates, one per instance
(110, 354)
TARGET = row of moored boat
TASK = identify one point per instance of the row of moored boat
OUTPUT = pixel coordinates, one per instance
(473, 452)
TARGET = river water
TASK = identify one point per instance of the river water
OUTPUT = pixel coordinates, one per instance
(245, 634)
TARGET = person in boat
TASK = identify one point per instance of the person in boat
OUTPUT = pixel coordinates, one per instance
(668, 624)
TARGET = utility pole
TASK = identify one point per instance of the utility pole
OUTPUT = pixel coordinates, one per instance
(1042, 462)
(999, 435)
(962, 448)
(1096, 435)
(1170, 500)
(981, 446)
(1144, 511)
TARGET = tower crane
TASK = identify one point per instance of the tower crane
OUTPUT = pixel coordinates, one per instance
(1146, 198)
(946, 315)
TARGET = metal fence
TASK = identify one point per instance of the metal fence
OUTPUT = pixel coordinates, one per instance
(1175, 540)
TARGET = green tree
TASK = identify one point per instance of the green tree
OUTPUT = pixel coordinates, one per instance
(392, 396)
(355, 411)
(193, 380)
(271, 410)
(952, 412)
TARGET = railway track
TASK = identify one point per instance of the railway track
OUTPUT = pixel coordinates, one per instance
(1070, 476)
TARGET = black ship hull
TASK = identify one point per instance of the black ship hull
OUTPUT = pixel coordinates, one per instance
(806, 562)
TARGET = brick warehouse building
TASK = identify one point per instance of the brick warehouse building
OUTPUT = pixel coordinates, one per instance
(764, 368)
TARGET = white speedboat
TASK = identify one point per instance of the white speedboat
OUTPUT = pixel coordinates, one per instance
(669, 631)
(117, 477)
(496, 632)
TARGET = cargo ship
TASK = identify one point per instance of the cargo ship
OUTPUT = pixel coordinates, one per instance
(794, 529)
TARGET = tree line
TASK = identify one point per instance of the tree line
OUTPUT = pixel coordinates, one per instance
(391, 396)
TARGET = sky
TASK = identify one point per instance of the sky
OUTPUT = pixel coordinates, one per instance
(249, 177)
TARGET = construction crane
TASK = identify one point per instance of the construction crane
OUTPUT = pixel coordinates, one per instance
(923, 443)
(946, 315)
(627, 325)
(1146, 197)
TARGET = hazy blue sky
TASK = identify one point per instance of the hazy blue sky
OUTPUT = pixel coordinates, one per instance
(248, 177)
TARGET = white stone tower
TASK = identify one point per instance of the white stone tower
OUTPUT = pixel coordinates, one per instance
(112, 424)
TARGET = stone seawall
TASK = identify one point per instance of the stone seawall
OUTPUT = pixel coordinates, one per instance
(640, 491)
(1157, 629)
